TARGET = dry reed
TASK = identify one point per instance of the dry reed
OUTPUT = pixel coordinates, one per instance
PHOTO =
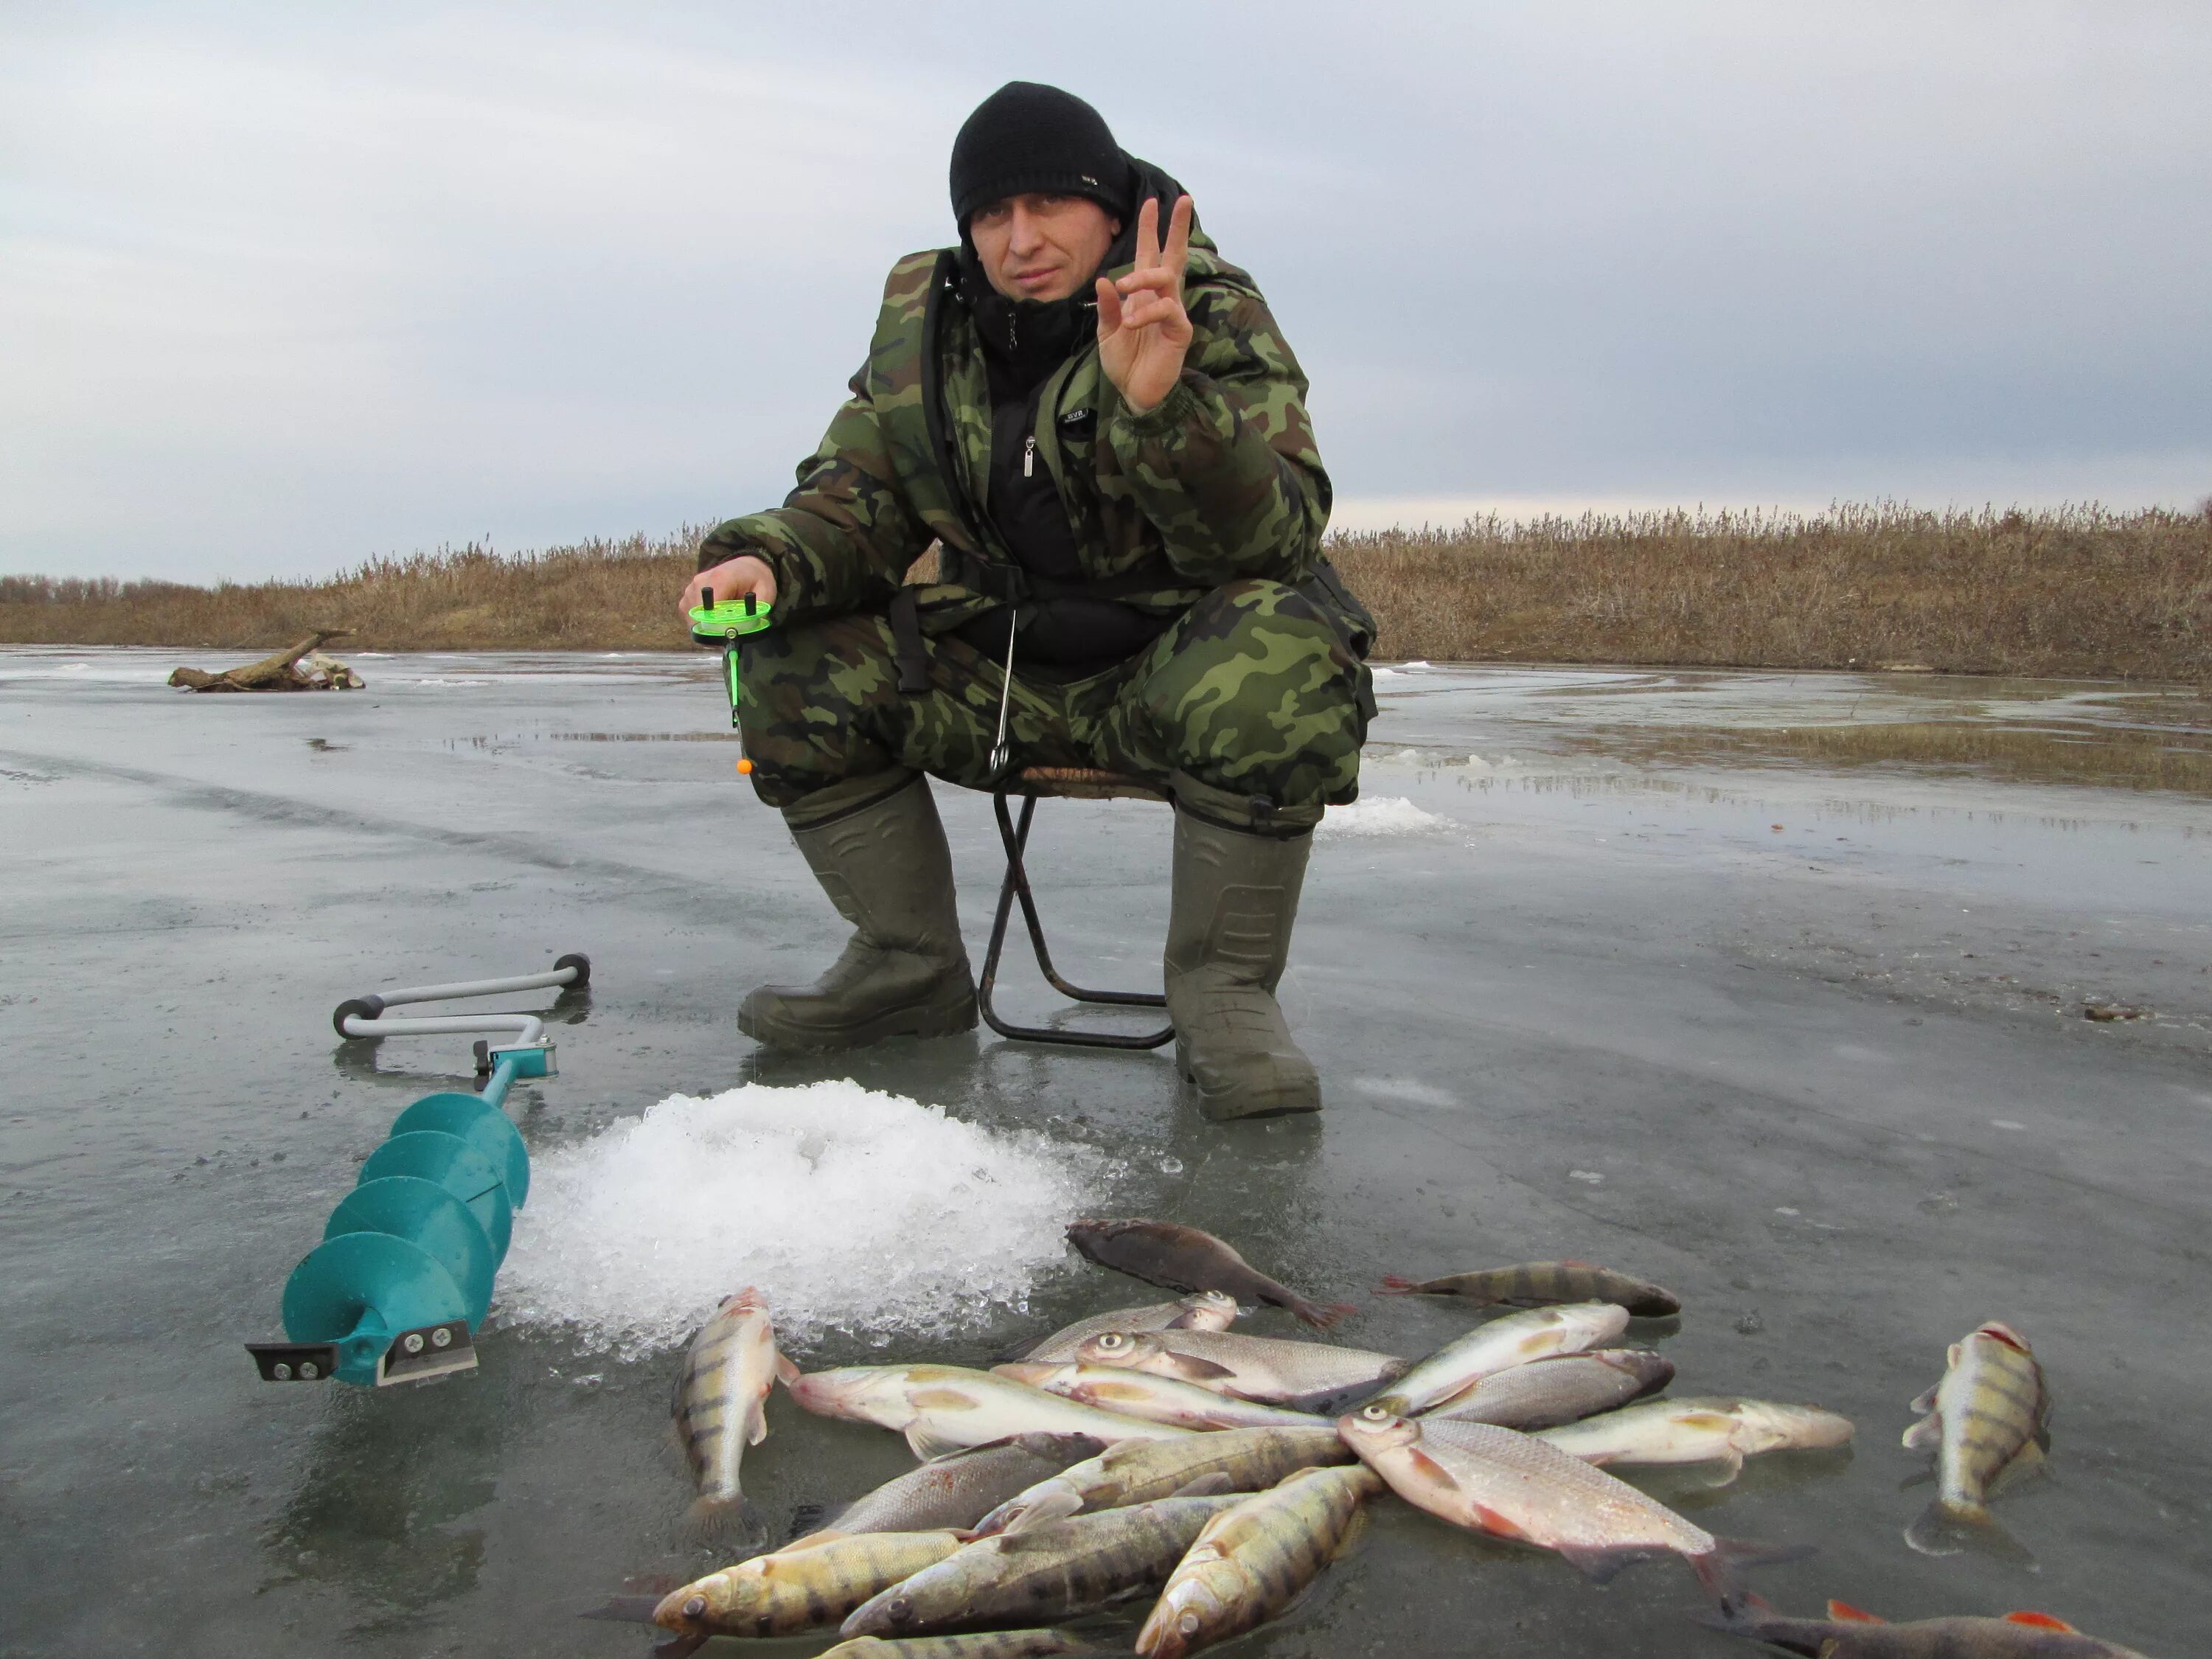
(2072, 591)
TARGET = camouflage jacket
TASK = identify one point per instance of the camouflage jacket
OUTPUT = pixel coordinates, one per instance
(1221, 481)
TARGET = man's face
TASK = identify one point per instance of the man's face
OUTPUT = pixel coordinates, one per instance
(1041, 247)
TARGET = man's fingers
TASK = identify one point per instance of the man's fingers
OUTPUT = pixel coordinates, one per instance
(1178, 251)
(1148, 234)
(1148, 311)
(1109, 309)
(1159, 280)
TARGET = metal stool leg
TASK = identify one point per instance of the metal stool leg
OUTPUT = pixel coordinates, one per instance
(1016, 886)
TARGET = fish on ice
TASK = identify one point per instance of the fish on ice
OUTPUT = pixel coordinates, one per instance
(1513, 1486)
(1847, 1634)
(803, 1586)
(959, 1489)
(1180, 1258)
(1988, 1422)
(1544, 1283)
(1693, 1430)
(1515, 1339)
(1202, 1310)
(1062, 1570)
(981, 1644)
(1310, 1376)
(1140, 1471)
(1560, 1388)
(1155, 1399)
(1255, 1558)
(946, 1408)
(719, 1404)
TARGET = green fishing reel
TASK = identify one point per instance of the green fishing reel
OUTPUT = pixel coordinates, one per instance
(720, 627)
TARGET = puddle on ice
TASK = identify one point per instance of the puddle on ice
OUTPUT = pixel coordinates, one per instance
(1380, 815)
(851, 1209)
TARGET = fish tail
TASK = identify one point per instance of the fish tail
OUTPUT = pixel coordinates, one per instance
(1720, 1568)
(1322, 1315)
(723, 1518)
(1947, 1526)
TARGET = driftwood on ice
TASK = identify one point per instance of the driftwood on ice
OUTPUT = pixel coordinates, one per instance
(281, 671)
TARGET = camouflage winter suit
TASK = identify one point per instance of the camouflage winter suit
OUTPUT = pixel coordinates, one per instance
(1251, 707)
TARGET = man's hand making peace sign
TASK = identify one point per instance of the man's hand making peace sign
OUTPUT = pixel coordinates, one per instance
(1143, 329)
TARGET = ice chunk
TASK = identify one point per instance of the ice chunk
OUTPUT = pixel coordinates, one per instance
(1380, 815)
(851, 1209)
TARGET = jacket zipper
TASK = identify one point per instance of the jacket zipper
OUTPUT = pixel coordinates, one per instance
(1029, 456)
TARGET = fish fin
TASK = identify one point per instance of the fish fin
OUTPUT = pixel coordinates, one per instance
(926, 1442)
(757, 1422)
(1429, 1466)
(1718, 1567)
(1944, 1529)
(1207, 1486)
(1722, 1468)
(1497, 1525)
(807, 1518)
(1924, 1401)
(2028, 1460)
(724, 1521)
(680, 1647)
(624, 1609)
(1925, 1435)
(1192, 1369)
(1322, 1316)
(1398, 1284)
(786, 1372)
(2040, 1621)
(1052, 1506)
(1844, 1613)
(1600, 1565)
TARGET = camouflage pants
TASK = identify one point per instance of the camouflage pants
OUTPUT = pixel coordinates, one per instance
(1248, 707)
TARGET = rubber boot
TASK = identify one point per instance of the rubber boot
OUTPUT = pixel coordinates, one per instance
(1234, 896)
(904, 972)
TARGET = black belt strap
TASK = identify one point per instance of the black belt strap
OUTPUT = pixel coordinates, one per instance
(908, 650)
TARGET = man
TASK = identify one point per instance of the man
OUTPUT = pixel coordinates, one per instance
(1106, 437)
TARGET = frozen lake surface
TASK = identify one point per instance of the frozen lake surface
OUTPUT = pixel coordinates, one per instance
(1772, 988)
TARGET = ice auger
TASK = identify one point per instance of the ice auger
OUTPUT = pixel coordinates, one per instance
(403, 1278)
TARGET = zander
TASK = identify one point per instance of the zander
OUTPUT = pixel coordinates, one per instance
(1254, 1559)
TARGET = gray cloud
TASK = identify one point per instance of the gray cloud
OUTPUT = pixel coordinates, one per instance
(279, 289)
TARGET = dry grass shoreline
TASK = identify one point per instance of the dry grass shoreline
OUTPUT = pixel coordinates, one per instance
(2074, 591)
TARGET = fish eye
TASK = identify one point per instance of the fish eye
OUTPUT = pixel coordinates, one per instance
(1374, 1414)
(694, 1608)
(899, 1609)
(1188, 1623)
(1112, 1339)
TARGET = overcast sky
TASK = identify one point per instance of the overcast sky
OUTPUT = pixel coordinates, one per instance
(284, 286)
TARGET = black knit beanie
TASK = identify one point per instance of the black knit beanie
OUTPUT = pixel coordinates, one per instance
(1027, 137)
